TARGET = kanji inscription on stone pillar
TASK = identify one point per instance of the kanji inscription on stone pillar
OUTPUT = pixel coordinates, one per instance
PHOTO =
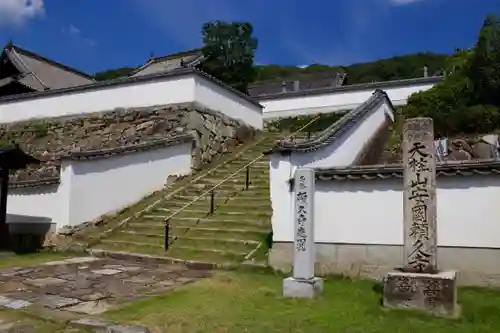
(419, 161)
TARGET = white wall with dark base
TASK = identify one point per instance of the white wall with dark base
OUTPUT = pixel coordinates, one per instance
(89, 189)
(359, 228)
(342, 152)
(340, 100)
(108, 184)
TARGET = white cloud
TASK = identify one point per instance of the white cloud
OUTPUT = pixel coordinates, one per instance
(403, 2)
(76, 33)
(71, 30)
(19, 11)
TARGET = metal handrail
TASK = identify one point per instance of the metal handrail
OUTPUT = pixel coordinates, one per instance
(211, 190)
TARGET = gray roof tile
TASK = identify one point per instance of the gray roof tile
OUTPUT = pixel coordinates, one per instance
(169, 63)
(41, 74)
(385, 171)
(305, 83)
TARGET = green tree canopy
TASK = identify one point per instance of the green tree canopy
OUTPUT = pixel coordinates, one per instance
(113, 74)
(229, 50)
(467, 100)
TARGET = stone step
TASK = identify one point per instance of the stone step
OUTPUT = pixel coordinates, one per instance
(176, 253)
(259, 223)
(240, 222)
(198, 254)
(111, 245)
(171, 210)
(228, 253)
(202, 203)
(135, 238)
(200, 232)
(185, 237)
(247, 225)
(205, 232)
(195, 192)
(249, 203)
(161, 215)
(237, 180)
(124, 243)
(243, 196)
(229, 210)
(229, 169)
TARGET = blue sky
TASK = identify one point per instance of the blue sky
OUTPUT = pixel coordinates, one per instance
(94, 35)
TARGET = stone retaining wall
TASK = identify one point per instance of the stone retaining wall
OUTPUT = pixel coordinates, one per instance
(48, 139)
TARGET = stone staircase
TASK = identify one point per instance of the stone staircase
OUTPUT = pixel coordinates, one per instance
(233, 229)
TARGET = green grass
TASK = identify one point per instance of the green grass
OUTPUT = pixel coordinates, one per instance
(23, 260)
(250, 302)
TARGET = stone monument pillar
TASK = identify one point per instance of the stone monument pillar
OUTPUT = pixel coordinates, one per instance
(303, 283)
(420, 285)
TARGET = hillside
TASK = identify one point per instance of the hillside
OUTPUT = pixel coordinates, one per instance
(400, 67)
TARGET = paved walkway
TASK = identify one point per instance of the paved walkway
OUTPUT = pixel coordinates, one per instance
(89, 285)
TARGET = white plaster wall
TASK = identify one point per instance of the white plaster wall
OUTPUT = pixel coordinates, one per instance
(371, 212)
(165, 91)
(334, 101)
(161, 91)
(342, 152)
(214, 97)
(34, 203)
(109, 184)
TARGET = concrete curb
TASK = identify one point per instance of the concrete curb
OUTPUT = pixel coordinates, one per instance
(98, 325)
(201, 265)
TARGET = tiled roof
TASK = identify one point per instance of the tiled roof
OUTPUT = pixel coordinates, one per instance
(352, 87)
(34, 183)
(302, 83)
(145, 146)
(170, 63)
(330, 134)
(128, 80)
(385, 171)
(40, 73)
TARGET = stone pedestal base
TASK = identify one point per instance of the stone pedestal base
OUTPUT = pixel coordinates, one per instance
(302, 288)
(435, 294)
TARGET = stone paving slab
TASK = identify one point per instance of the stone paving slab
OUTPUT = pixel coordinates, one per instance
(88, 285)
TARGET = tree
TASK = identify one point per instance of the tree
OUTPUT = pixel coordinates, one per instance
(229, 50)
(467, 101)
(484, 69)
(113, 74)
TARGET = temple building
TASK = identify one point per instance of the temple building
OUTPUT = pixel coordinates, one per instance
(22, 71)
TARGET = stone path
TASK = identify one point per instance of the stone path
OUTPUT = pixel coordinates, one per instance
(88, 285)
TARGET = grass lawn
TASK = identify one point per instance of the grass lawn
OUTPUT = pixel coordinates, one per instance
(22, 260)
(251, 302)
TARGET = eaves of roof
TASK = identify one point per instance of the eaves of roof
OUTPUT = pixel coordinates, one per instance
(126, 81)
(386, 171)
(164, 58)
(50, 62)
(103, 153)
(337, 129)
(352, 87)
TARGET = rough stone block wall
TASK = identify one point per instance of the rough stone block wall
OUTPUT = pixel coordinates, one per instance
(48, 139)
(214, 134)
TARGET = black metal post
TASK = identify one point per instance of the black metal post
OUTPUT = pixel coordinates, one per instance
(308, 134)
(4, 229)
(167, 227)
(247, 178)
(212, 202)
